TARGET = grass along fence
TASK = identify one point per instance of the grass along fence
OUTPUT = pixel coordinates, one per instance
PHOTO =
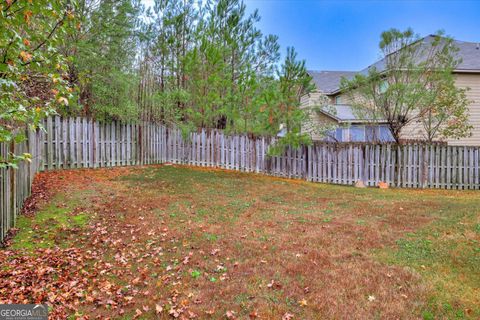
(83, 143)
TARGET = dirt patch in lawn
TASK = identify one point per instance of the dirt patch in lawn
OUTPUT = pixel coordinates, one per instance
(166, 241)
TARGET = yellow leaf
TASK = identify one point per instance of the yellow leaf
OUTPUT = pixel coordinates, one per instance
(25, 56)
(26, 15)
(28, 157)
(63, 100)
(303, 303)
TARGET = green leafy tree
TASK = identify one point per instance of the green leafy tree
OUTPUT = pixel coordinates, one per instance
(32, 72)
(170, 39)
(447, 116)
(205, 64)
(282, 102)
(294, 82)
(414, 83)
(103, 52)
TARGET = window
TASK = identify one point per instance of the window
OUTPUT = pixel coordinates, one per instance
(383, 86)
(385, 134)
(338, 99)
(378, 133)
(339, 134)
(357, 133)
(372, 133)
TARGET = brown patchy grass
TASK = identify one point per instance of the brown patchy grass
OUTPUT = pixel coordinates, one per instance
(197, 242)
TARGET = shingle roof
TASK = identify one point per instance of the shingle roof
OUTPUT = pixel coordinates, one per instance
(328, 82)
(468, 54)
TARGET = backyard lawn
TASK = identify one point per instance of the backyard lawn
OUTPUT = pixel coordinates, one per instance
(163, 242)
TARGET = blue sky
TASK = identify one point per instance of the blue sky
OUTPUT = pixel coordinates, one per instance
(344, 35)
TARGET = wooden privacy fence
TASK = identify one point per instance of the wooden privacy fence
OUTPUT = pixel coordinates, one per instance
(83, 143)
(15, 184)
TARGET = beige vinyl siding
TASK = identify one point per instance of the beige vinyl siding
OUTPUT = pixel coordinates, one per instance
(309, 100)
(471, 81)
(415, 129)
(317, 119)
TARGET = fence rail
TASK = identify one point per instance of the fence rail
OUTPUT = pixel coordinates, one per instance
(83, 143)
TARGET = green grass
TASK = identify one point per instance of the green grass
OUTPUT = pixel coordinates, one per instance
(447, 255)
(50, 226)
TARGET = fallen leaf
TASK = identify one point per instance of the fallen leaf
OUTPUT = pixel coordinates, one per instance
(287, 316)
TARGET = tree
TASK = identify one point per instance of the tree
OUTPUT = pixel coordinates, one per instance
(413, 82)
(294, 82)
(103, 52)
(205, 64)
(283, 101)
(32, 72)
(447, 116)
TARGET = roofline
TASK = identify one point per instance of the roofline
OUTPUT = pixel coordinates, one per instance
(330, 115)
(363, 121)
(466, 71)
(352, 120)
(318, 71)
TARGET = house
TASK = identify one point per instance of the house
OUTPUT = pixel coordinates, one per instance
(349, 127)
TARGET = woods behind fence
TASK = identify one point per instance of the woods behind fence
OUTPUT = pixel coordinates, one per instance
(83, 143)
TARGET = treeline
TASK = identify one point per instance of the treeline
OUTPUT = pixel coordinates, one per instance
(195, 64)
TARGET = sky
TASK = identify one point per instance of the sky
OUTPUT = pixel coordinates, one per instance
(344, 35)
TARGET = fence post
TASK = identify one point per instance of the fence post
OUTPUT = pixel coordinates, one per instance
(12, 188)
(93, 144)
(140, 143)
(307, 163)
